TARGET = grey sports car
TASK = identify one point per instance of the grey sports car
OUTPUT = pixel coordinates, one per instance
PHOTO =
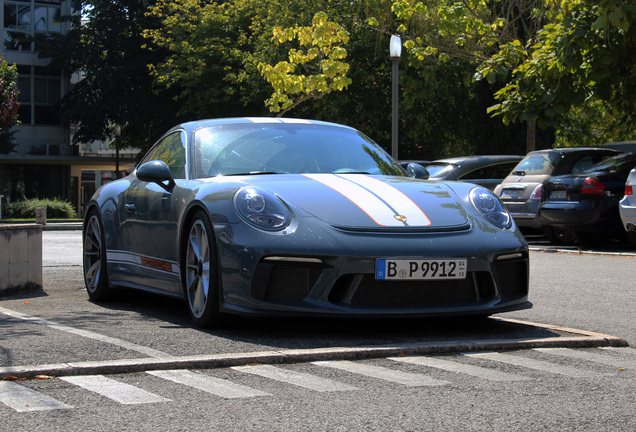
(290, 217)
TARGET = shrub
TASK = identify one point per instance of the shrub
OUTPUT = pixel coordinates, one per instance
(55, 209)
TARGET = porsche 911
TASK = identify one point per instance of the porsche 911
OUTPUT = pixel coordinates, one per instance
(291, 217)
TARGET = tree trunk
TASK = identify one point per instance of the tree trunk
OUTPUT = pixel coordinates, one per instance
(531, 135)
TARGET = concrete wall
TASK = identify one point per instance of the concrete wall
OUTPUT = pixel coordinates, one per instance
(20, 258)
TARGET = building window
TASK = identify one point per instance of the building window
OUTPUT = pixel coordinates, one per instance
(23, 19)
(40, 91)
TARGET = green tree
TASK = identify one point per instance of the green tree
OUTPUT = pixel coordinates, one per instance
(8, 105)
(580, 74)
(313, 70)
(108, 51)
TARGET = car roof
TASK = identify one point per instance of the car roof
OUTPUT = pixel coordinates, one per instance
(477, 160)
(565, 150)
(253, 120)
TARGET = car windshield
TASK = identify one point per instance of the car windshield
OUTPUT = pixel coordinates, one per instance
(537, 164)
(439, 170)
(265, 148)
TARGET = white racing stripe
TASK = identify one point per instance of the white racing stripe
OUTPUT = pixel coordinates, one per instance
(380, 201)
(467, 369)
(115, 390)
(386, 374)
(216, 386)
(299, 379)
(23, 399)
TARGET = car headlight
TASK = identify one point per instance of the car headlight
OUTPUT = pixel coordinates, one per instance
(490, 207)
(261, 209)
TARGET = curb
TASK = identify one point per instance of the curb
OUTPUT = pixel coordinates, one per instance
(582, 340)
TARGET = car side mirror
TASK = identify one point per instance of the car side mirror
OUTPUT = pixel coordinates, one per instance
(417, 171)
(156, 172)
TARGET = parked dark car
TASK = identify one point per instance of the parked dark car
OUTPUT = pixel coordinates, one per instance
(521, 190)
(587, 203)
(487, 171)
(405, 163)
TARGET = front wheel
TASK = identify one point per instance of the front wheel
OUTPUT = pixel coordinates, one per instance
(95, 264)
(201, 275)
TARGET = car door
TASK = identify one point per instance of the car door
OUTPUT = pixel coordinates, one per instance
(151, 219)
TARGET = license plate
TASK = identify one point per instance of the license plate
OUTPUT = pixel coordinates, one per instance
(420, 269)
(511, 193)
(556, 195)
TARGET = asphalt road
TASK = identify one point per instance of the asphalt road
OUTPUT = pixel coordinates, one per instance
(522, 389)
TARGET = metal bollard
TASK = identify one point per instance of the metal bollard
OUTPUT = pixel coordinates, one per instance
(40, 215)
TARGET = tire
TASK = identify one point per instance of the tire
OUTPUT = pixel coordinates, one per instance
(94, 258)
(589, 240)
(557, 236)
(631, 238)
(200, 278)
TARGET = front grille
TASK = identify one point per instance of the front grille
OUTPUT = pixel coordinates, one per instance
(366, 291)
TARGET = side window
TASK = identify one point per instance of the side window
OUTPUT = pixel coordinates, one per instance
(502, 171)
(481, 173)
(582, 164)
(171, 150)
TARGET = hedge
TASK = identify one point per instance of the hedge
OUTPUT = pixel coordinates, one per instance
(55, 209)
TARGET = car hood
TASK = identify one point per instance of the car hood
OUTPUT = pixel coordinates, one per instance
(364, 202)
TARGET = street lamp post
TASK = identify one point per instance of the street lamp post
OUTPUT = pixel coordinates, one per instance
(395, 50)
(117, 132)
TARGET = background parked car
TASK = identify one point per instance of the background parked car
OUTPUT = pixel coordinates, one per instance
(627, 207)
(487, 171)
(587, 203)
(521, 190)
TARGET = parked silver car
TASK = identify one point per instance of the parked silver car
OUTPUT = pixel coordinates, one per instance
(487, 171)
(521, 190)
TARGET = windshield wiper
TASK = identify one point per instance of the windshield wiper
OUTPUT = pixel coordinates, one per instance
(254, 173)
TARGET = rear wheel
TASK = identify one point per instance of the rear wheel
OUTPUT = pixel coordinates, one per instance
(201, 275)
(557, 236)
(95, 264)
(589, 239)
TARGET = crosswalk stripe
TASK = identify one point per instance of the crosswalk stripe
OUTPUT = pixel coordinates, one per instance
(625, 350)
(539, 365)
(119, 392)
(23, 399)
(386, 374)
(593, 357)
(296, 378)
(216, 386)
(468, 369)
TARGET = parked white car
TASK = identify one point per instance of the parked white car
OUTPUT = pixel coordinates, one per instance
(627, 207)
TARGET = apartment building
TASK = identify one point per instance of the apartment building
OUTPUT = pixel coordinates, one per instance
(45, 163)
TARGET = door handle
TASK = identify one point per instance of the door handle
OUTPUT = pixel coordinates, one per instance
(130, 207)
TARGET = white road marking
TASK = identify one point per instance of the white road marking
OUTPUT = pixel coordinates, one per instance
(85, 333)
(216, 386)
(23, 399)
(119, 392)
(300, 379)
(467, 369)
(386, 374)
(590, 356)
(539, 365)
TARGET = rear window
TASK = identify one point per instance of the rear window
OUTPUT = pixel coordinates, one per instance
(622, 163)
(537, 164)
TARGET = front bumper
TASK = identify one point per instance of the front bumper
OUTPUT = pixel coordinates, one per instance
(336, 275)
